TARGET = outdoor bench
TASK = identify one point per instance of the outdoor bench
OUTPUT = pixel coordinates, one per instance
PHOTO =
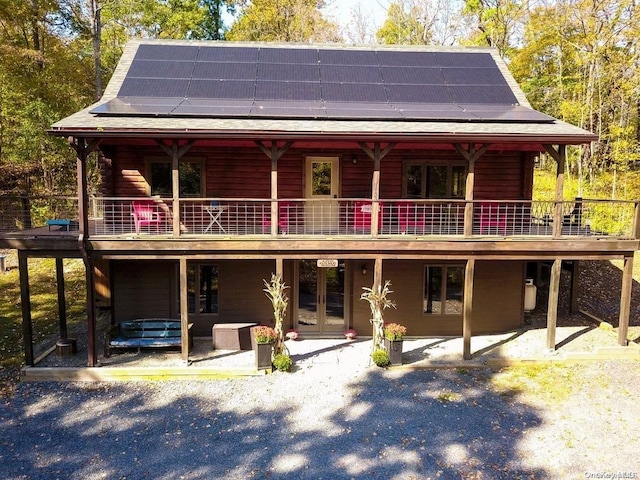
(146, 333)
(63, 223)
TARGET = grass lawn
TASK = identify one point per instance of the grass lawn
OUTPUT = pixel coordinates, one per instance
(44, 308)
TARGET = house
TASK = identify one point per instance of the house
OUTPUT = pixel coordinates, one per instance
(337, 167)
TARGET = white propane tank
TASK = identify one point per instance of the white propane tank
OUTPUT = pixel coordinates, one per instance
(530, 291)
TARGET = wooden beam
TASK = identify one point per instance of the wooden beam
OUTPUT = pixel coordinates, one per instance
(25, 303)
(575, 273)
(62, 304)
(377, 273)
(469, 275)
(184, 309)
(636, 220)
(470, 155)
(92, 350)
(375, 193)
(280, 267)
(552, 309)
(625, 300)
(559, 156)
(376, 151)
(275, 151)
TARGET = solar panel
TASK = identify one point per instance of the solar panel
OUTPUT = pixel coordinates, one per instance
(288, 72)
(224, 70)
(288, 55)
(220, 53)
(412, 75)
(221, 89)
(473, 76)
(221, 80)
(166, 52)
(158, 69)
(348, 57)
(153, 87)
(350, 74)
(287, 91)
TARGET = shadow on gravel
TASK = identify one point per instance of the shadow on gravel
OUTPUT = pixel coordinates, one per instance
(383, 424)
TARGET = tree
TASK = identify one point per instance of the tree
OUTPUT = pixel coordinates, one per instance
(421, 22)
(283, 21)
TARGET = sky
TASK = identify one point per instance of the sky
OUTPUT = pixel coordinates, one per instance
(340, 10)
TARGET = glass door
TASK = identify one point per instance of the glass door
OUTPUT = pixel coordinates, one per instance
(321, 295)
(322, 184)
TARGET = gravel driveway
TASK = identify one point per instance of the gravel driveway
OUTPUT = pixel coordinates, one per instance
(328, 421)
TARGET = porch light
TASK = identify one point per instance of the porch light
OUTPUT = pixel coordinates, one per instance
(364, 269)
(354, 159)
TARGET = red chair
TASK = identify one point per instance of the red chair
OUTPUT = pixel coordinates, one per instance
(362, 215)
(145, 212)
(284, 210)
(410, 215)
(492, 218)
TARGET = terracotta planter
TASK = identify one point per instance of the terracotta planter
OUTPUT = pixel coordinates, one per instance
(394, 347)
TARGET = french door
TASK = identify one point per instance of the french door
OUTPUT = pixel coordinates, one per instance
(320, 297)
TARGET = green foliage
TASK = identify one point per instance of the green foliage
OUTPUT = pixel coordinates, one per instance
(283, 21)
(403, 26)
(380, 357)
(282, 362)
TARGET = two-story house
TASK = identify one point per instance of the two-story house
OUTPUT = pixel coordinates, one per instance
(338, 167)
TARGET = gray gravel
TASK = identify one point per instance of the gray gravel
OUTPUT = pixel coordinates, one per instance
(326, 421)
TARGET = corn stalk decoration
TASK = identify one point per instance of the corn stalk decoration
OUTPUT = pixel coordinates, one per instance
(276, 292)
(378, 301)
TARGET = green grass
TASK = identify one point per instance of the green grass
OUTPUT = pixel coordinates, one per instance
(44, 307)
(551, 383)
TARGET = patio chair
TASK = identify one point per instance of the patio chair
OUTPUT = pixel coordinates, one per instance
(284, 209)
(145, 212)
(492, 219)
(410, 215)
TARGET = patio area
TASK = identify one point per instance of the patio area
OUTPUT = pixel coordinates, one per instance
(578, 339)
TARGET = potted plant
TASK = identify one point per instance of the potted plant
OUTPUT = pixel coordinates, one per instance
(393, 335)
(293, 335)
(262, 340)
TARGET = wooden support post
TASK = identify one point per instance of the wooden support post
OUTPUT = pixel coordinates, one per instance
(625, 300)
(184, 309)
(376, 154)
(274, 196)
(469, 274)
(25, 302)
(175, 189)
(280, 267)
(92, 350)
(470, 155)
(575, 273)
(377, 273)
(559, 156)
(636, 220)
(62, 304)
(552, 309)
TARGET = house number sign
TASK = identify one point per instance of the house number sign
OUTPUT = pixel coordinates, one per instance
(327, 262)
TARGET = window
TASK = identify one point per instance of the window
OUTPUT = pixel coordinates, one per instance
(191, 178)
(426, 180)
(443, 288)
(202, 285)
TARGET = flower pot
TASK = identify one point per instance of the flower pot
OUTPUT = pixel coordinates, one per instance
(394, 347)
(263, 355)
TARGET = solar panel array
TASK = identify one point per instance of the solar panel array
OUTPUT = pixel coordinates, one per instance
(315, 83)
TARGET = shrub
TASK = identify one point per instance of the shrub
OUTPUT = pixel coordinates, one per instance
(380, 358)
(282, 362)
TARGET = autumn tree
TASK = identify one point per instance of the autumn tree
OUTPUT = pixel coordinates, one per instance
(283, 21)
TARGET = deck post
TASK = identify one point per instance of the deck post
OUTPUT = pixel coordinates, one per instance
(559, 156)
(62, 306)
(280, 267)
(467, 308)
(92, 351)
(377, 273)
(25, 302)
(274, 153)
(552, 309)
(575, 272)
(625, 300)
(636, 220)
(175, 189)
(470, 155)
(184, 310)
(376, 154)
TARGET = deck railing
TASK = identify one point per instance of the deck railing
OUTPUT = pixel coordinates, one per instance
(347, 217)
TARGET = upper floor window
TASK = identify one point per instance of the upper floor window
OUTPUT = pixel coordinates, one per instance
(427, 180)
(191, 178)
